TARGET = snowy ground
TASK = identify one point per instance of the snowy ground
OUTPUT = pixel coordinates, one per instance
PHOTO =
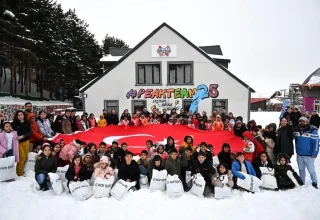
(19, 200)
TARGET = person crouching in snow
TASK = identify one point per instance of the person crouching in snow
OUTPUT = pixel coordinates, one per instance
(77, 171)
(103, 169)
(203, 148)
(161, 152)
(102, 122)
(156, 163)
(241, 165)
(45, 163)
(205, 169)
(143, 163)
(224, 156)
(218, 124)
(68, 151)
(174, 164)
(218, 177)
(88, 162)
(262, 161)
(129, 171)
(286, 177)
(9, 144)
(252, 148)
(208, 124)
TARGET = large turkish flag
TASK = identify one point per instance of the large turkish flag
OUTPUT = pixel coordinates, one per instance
(136, 137)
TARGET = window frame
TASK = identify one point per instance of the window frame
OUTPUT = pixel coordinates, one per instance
(138, 100)
(180, 63)
(148, 63)
(106, 106)
(188, 100)
(220, 100)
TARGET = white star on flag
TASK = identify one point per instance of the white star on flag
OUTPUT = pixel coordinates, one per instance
(164, 142)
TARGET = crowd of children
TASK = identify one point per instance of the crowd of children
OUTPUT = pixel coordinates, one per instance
(262, 147)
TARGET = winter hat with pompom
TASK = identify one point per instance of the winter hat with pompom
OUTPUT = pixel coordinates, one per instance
(104, 159)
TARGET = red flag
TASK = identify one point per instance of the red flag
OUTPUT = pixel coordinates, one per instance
(136, 137)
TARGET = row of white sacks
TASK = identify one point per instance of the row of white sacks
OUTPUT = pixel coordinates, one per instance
(118, 188)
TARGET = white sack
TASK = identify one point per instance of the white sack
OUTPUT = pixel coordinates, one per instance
(250, 183)
(7, 169)
(80, 190)
(268, 179)
(188, 178)
(174, 186)
(61, 171)
(158, 181)
(121, 188)
(56, 183)
(31, 162)
(198, 185)
(102, 187)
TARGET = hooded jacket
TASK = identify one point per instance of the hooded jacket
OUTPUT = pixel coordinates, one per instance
(184, 145)
(103, 173)
(36, 134)
(315, 120)
(208, 153)
(102, 122)
(152, 166)
(225, 158)
(218, 125)
(238, 131)
(130, 172)
(254, 124)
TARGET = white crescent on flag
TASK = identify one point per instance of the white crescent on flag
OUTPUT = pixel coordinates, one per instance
(110, 139)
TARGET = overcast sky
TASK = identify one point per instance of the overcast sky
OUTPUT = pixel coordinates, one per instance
(271, 43)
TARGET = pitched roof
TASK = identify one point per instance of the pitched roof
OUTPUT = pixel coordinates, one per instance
(255, 100)
(147, 38)
(314, 78)
(118, 51)
(216, 49)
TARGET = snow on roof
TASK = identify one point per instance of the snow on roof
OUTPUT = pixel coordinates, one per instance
(275, 101)
(110, 58)
(9, 100)
(221, 57)
(314, 80)
(262, 94)
(9, 13)
(87, 84)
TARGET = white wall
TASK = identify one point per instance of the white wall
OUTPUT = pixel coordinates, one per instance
(116, 84)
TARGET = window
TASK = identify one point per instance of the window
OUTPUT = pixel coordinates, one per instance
(219, 104)
(186, 103)
(180, 73)
(111, 104)
(148, 73)
(138, 105)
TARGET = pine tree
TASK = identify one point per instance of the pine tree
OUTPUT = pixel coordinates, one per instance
(109, 42)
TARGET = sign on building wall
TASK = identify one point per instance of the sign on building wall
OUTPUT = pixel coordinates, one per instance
(165, 50)
(210, 91)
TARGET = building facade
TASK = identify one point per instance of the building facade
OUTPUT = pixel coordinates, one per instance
(165, 70)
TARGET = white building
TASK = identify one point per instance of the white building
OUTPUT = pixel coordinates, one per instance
(165, 70)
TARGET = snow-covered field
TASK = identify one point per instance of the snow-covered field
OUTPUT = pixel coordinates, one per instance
(19, 200)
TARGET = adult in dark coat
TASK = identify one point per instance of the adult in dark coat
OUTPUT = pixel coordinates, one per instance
(315, 119)
(129, 170)
(262, 161)
(73, 174)
(57, 124)
(284, 142)
(294, 116)
(113, 118)
(45, 163)
(239, 128)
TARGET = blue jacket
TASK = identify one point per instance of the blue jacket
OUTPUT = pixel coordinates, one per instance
(307, 141)
(236, 168)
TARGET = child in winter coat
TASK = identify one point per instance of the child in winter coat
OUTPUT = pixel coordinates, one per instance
(208, 124)
(204, 149)
(161, 152)
(286, 177)
(190, 124)
(56, 154)
(262, 161)
(218, 177)
(129, 170)
(202, 126)
(252, 148)
(144, 120)
(241, 165)
(173, 164)
(156, 163)
(205, 169)
(218, 124)
(224, 156)
(195, 121)
(257, 136)
(9, 144)
(45, 163)
(151, 149)
(188, 142)
(124, 122)
(102, 122)
(170, 144)
(88, 162)
(143, 162)
(45, 125)
(171, 121)
(77, 171)
(68, 151)
(103, 169)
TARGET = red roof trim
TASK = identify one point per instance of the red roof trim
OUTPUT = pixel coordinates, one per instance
(255, 100)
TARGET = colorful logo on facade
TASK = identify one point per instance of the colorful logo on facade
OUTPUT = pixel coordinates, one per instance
(164, 50)
(202, 92)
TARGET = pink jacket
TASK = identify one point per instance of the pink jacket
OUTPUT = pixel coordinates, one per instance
(103, 173)
(4, 145)
(68, 152)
